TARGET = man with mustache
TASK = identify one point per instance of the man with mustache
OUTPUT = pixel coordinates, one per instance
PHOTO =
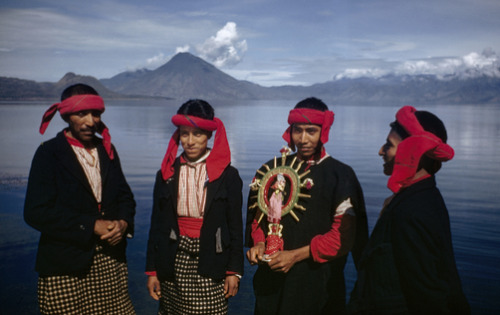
(408, 266)
(79, 200)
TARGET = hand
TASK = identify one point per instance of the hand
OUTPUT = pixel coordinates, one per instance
(154, 287)
(231, 285)
(256, 253)
(283, 261)
(102, 227)
(116, 230)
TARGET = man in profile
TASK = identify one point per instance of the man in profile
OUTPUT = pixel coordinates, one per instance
(301, 256)
(79, 200)
(408, 265)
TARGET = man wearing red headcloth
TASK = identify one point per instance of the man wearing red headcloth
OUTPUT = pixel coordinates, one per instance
(307, 276)
(408, 266)
(79, 200)
(195, 249)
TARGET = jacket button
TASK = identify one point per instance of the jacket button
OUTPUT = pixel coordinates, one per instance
(82, 227)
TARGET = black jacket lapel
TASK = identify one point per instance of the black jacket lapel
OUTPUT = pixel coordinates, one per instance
(68, 160)
(173, 184)
(104, 161)
(212, 189)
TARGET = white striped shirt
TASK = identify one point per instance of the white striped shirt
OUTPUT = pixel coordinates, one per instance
(89, 160)
(192, 193)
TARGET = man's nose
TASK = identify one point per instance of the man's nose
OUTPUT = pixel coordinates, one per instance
(89, 120)
(302, 137)
(381, 151)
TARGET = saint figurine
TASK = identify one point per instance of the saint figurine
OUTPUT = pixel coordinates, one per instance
(274, 241)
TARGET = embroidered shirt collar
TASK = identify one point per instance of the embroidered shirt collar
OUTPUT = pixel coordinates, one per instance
(316, 162)
(200, 160)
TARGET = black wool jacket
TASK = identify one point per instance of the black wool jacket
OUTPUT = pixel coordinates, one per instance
(408, 266)
(221, 235)
(60, 204)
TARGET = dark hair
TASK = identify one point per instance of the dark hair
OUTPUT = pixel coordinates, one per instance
(432, 124)
(77, 89)
(312, 103)
(198, 108)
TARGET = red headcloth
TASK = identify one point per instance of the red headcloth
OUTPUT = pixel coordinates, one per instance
(220, 155)
(77, 103)
(310, 116)
(411, 149)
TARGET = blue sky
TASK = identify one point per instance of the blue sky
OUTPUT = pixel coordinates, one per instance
(264, 41)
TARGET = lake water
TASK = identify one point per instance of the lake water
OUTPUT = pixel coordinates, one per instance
(141, 129)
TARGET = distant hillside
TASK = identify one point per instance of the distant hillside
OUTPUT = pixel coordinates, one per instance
(186, 76)
(420, 89)
(120, 81)
(17, 89)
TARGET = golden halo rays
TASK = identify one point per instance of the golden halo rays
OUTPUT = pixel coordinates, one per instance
(267, 175)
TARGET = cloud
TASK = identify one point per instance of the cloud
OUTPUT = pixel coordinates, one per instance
(160, 59)
(268, 77)
(156, 61)
(471, 65)
(182, 49)
(361, 72)
(225, 48)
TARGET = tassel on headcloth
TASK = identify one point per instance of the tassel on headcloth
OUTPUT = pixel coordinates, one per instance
(310, 116)
(77, 103)
(220, 155)
(411, 149)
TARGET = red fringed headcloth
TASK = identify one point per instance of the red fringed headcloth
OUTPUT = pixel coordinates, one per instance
(75, 104)
(220, 155)
(310, 116)
(411, 149)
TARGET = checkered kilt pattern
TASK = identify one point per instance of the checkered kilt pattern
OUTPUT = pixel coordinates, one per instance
(191, 293)
(104, 290)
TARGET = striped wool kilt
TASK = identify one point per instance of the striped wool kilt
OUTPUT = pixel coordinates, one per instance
(191, 293)
(104, 290)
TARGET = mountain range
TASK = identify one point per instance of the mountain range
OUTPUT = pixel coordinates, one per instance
(187, 76)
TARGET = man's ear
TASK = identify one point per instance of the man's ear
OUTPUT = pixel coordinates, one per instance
(292, 144)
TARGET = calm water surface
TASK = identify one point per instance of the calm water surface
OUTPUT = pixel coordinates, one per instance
(141, 129)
